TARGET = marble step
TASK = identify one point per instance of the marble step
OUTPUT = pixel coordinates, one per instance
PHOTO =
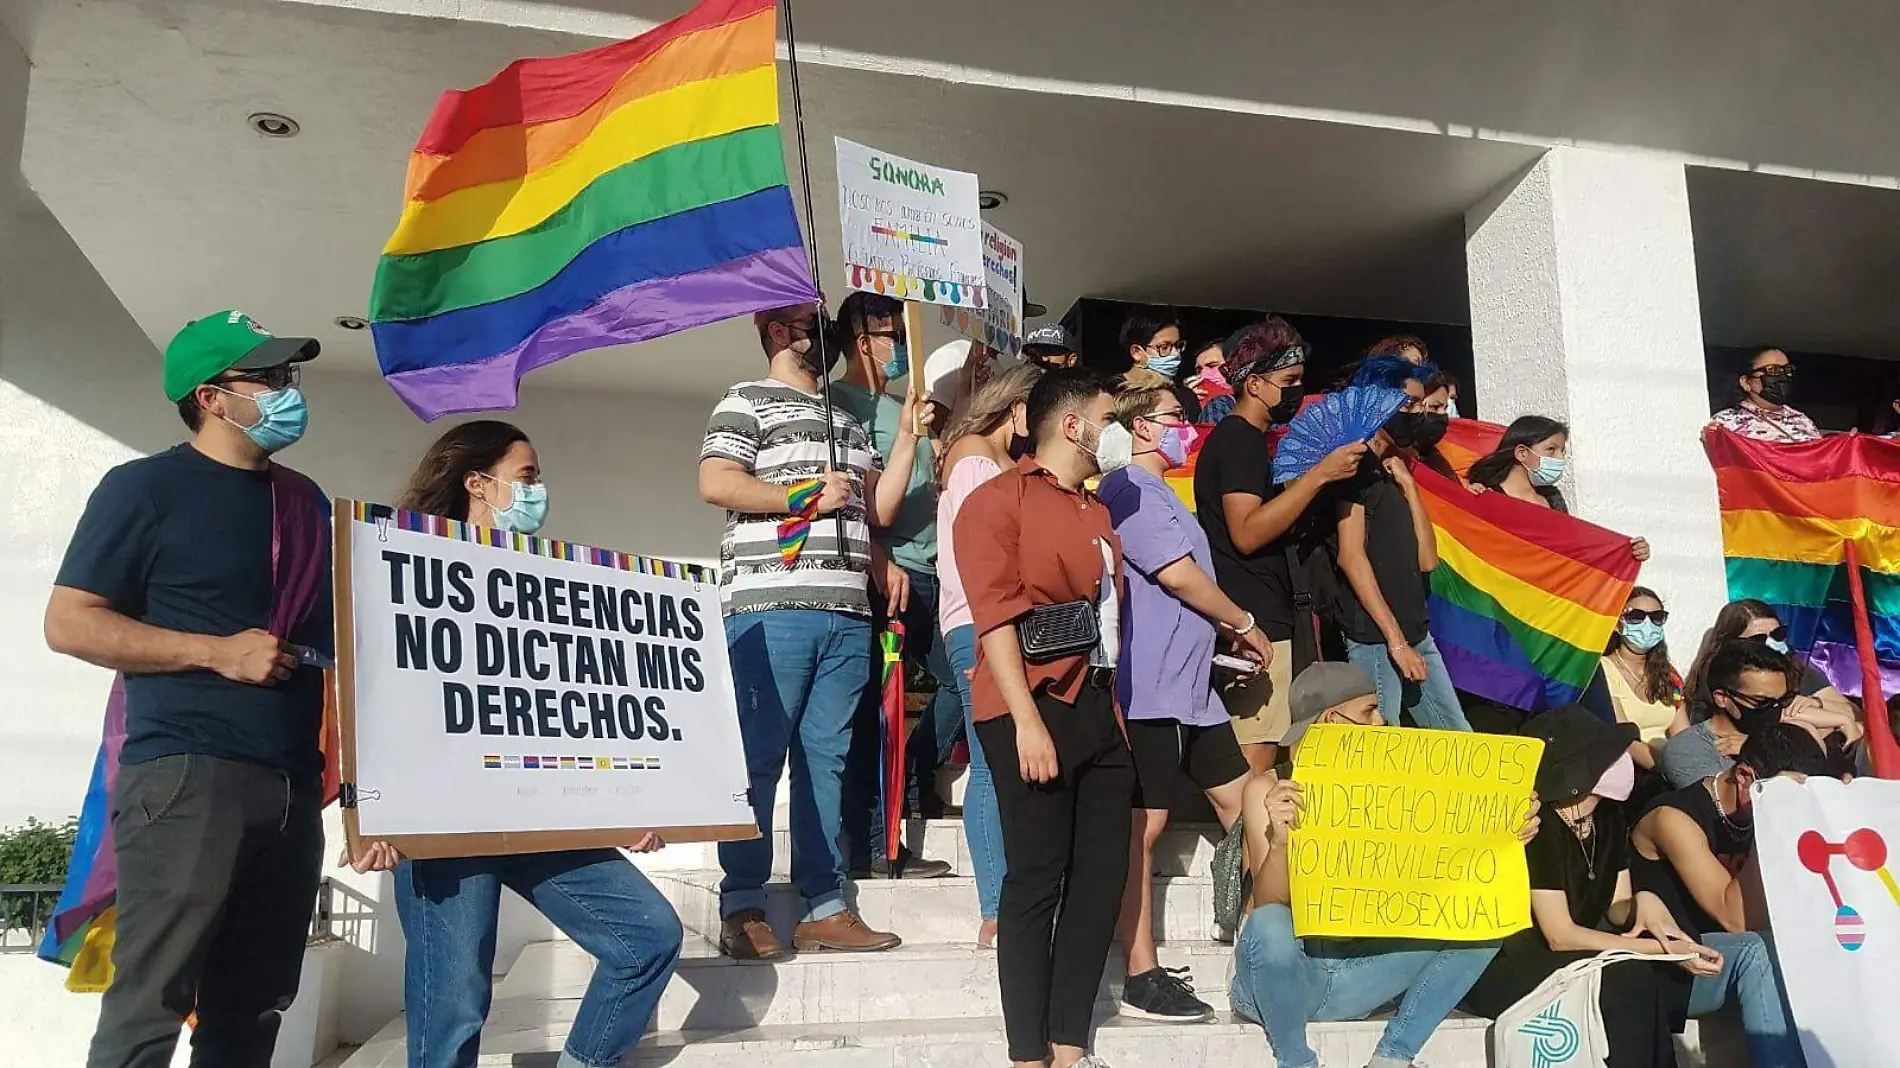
(714, 993)
(517, 1037)
(923, 911)
(1187, 849)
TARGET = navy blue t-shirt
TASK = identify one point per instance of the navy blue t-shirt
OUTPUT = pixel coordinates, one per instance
(182, 542)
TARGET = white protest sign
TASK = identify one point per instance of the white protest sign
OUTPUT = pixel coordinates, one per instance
(911, 230)
(529, 693)
(1835, 910)
(1000, 322)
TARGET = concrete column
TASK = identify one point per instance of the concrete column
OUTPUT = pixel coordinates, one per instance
(1584, 309)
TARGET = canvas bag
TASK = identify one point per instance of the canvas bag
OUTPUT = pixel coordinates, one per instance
(1560, 1024)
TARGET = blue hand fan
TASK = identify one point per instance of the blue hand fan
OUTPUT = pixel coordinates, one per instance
(1352, 414)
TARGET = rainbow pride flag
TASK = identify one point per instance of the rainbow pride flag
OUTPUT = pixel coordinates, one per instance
(1524, 598)
(1789, 515)
(607, 197)
(1467, 441)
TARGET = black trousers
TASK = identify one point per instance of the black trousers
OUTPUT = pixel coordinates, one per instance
(218, 870)
(1066, 844)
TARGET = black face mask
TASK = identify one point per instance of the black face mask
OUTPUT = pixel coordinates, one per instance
(1431, 429)
(1404, 429)
(1289, 406)
(1018, 447)
(1778, 390)
(823, 338)
(1760, 717)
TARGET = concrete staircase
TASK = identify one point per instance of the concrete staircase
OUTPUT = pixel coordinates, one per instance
(932, 1003)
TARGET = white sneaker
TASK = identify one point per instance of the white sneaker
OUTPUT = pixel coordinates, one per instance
(1091, 1061)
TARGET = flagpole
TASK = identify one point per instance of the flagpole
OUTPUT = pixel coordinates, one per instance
(811, 260)
(1880, 741)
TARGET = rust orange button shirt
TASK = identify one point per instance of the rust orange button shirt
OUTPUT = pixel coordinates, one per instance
(1022, 540)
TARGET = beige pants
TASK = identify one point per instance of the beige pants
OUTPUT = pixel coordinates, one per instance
(1258, 704)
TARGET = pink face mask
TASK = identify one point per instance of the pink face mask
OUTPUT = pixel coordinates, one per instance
(1214, 380)
(1177, 443)
(1616, 783)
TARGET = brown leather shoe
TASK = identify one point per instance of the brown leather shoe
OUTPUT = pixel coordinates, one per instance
(746, 936)
(842, 932)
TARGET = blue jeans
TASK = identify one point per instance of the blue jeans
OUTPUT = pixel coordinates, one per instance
(982, 821)
(448, 910)
(1283, 988)
(1433, 703)
(799, 675)
(1749, 979)
(930, 740)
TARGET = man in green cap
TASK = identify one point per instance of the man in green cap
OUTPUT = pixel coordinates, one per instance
(202, 575)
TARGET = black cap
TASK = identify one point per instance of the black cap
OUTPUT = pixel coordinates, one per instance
(1051, 338)
(1578, 749)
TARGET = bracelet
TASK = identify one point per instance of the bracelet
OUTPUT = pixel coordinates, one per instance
(1242, 631)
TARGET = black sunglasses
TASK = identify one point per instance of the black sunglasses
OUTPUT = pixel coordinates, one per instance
(1637, 615)
(1779, 634)
(282, 376)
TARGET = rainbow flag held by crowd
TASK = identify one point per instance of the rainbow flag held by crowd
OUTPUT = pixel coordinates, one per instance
(602, 198)
(1524, 598)
(1791, 517)
(1467, 441)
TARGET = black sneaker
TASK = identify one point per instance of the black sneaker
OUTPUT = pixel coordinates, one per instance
(909, 866)
(1160, 994)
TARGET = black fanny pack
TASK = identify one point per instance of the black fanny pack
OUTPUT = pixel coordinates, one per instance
(1053, 631)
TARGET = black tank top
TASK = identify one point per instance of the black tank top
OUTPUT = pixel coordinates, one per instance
(1660, 877)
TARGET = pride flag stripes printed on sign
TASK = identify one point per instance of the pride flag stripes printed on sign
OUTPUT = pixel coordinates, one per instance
(603, 198)
(1789, 515)
(1524, 598)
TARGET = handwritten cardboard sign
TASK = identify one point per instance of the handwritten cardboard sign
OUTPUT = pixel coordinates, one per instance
(1411, 833)
(1000, 322)
(911, 230)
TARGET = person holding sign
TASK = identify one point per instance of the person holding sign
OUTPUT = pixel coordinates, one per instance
(871, 335)
(1175, 721)
(798, 624)
(202, 575)
(1283, 982)
(486, 473)
(1694, 849)
(1042, 567)
(1582, 902)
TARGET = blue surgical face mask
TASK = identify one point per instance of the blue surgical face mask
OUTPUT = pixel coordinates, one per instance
(1165, 364)
(1778, 646)
(899, 364)
(1642, 637)
(1548, 472)
(527, 507)
(1451, 408)
(282, 417)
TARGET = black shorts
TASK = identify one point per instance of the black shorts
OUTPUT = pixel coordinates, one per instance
(1165, 748)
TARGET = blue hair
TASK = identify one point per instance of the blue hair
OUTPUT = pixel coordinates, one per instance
(1391, 372)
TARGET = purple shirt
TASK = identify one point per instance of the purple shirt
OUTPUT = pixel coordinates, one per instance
(1167, 659)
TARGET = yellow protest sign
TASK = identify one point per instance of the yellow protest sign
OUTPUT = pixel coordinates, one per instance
(1411, 833)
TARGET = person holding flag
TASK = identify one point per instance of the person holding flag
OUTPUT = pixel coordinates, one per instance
(777, 457)
(202, 575)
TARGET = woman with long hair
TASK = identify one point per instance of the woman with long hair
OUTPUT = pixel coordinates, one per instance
(488, 474)
(976, 448)
(1528, 462)
(1756, 621)
(1644, 687)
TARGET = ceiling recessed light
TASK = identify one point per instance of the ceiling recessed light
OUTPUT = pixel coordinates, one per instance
(271, 124)
(990, 198)
(351, 322)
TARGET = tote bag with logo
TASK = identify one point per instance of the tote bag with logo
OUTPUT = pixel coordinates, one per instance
(1560, 1024)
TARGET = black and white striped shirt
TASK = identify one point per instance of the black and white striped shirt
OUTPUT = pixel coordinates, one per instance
(777, 432)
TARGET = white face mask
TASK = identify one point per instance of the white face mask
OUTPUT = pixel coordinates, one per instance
(1114, 447)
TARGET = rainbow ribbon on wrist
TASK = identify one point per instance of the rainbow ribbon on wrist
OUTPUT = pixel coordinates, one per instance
(801, 500)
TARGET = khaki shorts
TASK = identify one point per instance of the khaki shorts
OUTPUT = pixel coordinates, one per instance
(1258, 704)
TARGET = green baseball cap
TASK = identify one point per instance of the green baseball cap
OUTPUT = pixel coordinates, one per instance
(227, 341)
